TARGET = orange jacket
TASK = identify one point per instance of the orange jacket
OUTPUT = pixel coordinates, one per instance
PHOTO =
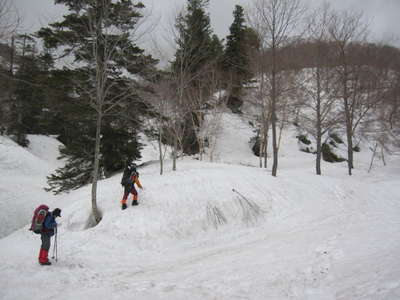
(135, 179)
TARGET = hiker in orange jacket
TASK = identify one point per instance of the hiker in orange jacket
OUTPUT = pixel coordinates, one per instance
(129, 179)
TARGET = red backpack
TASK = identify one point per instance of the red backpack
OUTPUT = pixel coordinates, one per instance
(38, 218)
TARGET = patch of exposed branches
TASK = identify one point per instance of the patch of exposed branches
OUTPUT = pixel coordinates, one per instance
(215, 216)
(251, 211)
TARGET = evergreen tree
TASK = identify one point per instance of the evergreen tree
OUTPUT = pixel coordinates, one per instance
(78, 155)
(217, 51)
(97, 34)
(236, 61)
(194, 39)
(197, 53)
(7, 84)
(27, 102)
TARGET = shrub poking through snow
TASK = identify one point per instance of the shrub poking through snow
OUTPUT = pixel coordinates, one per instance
(305, 144)
(303, 138)
(215, 216)
(255, 141)
(251, 211)
(328, 155)
(335, 137)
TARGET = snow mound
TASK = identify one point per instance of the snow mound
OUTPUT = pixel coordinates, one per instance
(45, 148)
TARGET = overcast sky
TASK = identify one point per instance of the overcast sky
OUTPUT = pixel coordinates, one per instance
(383, 15)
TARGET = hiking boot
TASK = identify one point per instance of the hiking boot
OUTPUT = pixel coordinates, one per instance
(134, 202)
(46, 263)
(124, 206)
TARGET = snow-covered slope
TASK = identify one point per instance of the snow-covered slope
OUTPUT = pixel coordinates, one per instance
(23, 174)
(295, 236)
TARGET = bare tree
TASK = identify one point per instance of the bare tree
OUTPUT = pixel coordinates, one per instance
(204, 104)
(159, 95)
(9, 19)
(318, 85)
(374, 117)
(394, 104)
(9, 22)
(212, 113)
(347, 28)
(275, 21)
(259, 97)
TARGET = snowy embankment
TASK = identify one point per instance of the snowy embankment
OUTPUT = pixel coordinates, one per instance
(23, 174)
(296, 236)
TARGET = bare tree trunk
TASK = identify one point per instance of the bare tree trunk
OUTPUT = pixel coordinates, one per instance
(266, 138)
(347, 28)
(373, 157)
(174, 150)
(383, 155)
(99, 54)
(319, 130)
(95, 211)
(349, 134)
(260, 145)
(273, 113)
(160, 151)
(281, 127)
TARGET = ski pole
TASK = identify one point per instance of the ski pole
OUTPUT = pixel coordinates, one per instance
(55, 245)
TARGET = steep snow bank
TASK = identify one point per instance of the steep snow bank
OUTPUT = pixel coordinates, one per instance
(23, 172)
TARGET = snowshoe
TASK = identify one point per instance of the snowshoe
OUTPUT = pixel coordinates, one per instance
(124, 206)
(47, 263)
(134, 202)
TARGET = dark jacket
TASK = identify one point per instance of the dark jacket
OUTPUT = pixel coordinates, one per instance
(49, 224)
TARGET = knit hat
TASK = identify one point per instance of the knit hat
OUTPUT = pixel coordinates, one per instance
(57, 212)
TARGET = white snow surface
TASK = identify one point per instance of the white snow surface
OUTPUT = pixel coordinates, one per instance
(23, 174)
(295, 236)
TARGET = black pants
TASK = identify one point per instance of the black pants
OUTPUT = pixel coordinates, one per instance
(45, 241)
(129, 189)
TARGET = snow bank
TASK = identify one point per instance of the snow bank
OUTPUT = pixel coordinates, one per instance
(23, 172)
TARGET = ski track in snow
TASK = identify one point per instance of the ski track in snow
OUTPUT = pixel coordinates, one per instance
(300, 236)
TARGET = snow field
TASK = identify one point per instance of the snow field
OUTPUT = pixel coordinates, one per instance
(298, 235)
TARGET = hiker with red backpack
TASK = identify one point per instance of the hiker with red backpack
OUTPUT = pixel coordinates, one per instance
(44, 223)
(128, 181)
